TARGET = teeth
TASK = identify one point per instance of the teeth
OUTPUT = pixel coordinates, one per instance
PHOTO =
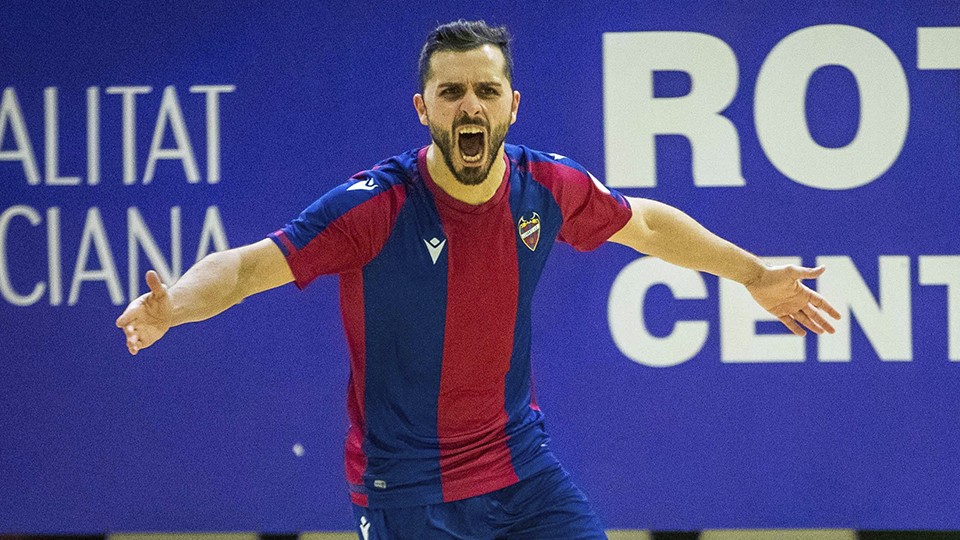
(470, 130)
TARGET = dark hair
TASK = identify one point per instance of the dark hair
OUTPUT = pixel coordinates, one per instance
(463, 36)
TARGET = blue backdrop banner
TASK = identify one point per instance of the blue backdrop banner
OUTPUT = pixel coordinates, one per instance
(148, 135)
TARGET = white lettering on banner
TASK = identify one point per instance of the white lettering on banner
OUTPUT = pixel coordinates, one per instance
(938, 47)
(138, 236)
(213, 126)
(739, 313)
(93, 136)
(633, 117)
(886, 320)
(55, 276)
(94, 257)
(6, 287)
(51, 135)
(212, 236)
(945, 270)
(12, 114)
(170, 115)
(780, 107)
(627, 326)
(94, 233)
(95, 244)
(129, 94)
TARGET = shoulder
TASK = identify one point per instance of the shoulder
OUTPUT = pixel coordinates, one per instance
(383, 185)
(524, 156)
(550, 168)
(544, 163)
(385, 175)
(391, 175)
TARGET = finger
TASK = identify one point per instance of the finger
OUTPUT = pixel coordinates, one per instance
(803, 272)
(129, 315)
(792, 325)
(132, 346)
(820, 303)
(156, 286)
(818, 319)
(803, 319)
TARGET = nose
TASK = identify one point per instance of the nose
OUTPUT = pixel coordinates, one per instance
(470, 104)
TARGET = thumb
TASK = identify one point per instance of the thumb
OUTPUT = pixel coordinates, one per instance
(156, 286)
(809, 273)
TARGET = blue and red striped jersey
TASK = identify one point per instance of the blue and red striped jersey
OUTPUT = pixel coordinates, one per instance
(436, 301)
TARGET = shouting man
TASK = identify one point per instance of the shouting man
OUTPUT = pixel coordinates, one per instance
(439, 251)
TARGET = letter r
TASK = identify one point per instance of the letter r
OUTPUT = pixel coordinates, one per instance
(633, 117)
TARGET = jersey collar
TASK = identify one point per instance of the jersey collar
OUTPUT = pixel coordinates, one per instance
(446, 200)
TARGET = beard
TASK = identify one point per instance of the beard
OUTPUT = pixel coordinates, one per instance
(475, 174)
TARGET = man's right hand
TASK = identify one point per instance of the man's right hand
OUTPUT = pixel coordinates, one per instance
(211, 286)
(147, 318)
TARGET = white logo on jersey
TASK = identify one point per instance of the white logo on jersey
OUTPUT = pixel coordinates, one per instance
(364, 527)
(558, 157)
(435, 246)
(365, 186)
(597, 183)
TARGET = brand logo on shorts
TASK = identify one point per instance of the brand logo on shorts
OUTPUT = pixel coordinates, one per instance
(529, 229)
(364, 527)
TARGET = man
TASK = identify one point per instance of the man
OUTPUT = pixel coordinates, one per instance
(438, 252)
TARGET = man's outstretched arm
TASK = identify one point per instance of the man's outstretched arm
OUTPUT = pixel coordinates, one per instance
(211, 286)
(667, 233)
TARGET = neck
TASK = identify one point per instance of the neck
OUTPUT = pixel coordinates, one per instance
(475, 194)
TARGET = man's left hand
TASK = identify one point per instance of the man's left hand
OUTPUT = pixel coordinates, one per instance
(780, 291)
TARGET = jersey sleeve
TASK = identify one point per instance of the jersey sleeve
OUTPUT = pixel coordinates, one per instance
(343, 230)
(591, 212)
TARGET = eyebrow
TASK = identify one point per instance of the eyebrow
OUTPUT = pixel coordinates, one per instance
(460, 85)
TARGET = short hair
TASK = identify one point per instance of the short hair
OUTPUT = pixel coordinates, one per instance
(464, 36)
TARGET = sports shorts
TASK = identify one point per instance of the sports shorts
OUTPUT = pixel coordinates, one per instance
(545, 506)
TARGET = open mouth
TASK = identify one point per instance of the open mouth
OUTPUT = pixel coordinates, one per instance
(470, 141)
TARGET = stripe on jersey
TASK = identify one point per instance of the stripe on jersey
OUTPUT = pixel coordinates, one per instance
(592, 213)
(525, 429)
(405, 295)
(341, 232)
(482, 285)
(352, 309)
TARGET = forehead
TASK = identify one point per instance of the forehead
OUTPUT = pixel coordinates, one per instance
(485, 63)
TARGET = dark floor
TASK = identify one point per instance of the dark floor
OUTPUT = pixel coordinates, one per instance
(656, 535)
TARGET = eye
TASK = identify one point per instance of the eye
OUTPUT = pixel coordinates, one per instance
(451, 92)
(489, 91)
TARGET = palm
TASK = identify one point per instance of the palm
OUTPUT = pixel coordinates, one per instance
(781, 292)
(148, 317)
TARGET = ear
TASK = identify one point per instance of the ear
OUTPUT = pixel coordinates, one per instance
(514, 107)
(421, 108)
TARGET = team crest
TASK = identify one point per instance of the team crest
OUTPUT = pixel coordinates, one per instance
(529, 229)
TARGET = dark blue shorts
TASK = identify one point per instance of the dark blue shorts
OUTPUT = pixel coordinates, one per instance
(546, 506)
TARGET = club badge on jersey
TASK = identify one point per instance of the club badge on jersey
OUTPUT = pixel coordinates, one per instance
(529, 228)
